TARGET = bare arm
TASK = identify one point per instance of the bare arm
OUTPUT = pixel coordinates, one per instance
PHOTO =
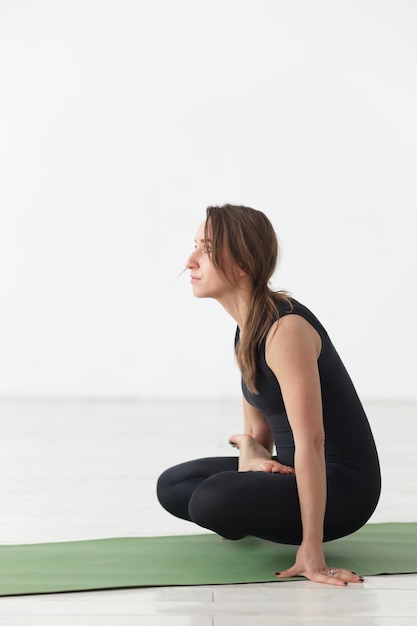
(292, 352)
(293, 347)
(256, 444)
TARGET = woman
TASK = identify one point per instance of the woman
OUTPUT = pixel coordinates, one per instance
(324, 482)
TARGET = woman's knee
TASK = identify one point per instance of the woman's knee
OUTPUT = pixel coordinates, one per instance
(175, 487)
(211, 507)
(161, 486)
(166, 492)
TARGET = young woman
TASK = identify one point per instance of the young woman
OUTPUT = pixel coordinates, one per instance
(324, 482)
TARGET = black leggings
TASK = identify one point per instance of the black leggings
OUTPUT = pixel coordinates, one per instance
(213, 494)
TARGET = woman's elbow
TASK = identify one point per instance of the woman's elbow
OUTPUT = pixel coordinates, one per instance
(312, 442)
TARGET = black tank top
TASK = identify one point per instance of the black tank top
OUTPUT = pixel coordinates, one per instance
(349, 440)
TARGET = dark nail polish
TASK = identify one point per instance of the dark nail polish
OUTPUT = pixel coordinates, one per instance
(277, 573)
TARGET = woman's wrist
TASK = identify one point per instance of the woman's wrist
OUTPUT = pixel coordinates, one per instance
(312, 541)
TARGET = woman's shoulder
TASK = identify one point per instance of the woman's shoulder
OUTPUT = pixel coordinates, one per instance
(286, 304)
(291, 306)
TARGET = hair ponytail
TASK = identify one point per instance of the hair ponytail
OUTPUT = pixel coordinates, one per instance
(252, 242)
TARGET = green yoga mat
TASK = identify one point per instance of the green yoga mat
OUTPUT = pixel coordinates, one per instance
(191, 560)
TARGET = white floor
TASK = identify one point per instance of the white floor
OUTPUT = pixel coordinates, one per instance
(86, 469)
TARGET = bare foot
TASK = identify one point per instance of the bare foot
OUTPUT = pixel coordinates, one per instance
(254, 457)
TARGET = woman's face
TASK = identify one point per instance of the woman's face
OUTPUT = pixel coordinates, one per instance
(205, 279)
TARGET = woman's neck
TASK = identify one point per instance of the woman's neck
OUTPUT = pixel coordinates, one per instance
(237, 305)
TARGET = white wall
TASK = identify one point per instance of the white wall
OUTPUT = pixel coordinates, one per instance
(122, 120)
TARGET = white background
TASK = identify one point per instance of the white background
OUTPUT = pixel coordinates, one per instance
(120, 121)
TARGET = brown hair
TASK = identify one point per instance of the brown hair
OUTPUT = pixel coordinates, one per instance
(250, 239)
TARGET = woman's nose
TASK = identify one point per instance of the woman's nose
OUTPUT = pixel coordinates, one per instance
(192, 262)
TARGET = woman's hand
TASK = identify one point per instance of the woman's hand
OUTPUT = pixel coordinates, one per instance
(253, 457)
(310, 562)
